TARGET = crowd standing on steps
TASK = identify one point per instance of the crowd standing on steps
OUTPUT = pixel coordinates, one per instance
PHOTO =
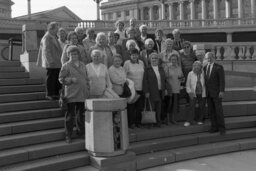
(166, 72)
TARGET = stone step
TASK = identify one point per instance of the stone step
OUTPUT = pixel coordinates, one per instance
(9, 63)
(55, 163)
(24, 81)
(13, 75)
(27, 105)
(25, 139)
(189, 140)
(30, 115)
(143, 134)
(4, 98)
(33, 152)
(240, 94)
(12, 69)
(29, 126)
(180, 154)
(21, 89)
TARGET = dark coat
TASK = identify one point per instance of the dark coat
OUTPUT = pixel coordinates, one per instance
(150, 83)
(216, 83)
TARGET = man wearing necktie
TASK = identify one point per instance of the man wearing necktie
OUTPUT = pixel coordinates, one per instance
(215, 85)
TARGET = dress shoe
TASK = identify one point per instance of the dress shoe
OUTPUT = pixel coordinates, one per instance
(49, 98)
(223, 132)
(213, 130)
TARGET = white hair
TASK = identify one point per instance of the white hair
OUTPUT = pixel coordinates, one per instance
(99, 35)
(131, 41)
(142, 26)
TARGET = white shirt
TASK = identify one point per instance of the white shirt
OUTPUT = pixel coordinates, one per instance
(155, 68)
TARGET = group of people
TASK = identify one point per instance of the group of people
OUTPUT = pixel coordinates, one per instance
(161, 71)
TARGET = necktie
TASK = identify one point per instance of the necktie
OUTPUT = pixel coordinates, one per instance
(208, 71)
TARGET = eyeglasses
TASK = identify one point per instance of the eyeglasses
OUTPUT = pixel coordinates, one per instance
(186, 47)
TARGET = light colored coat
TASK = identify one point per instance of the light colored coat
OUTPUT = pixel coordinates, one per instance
(118, 78)
(50, 51)
(191, 83)
(79, 91)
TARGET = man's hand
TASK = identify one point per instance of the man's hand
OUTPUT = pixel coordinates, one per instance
(221, 94)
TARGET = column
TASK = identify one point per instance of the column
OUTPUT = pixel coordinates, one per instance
(170, 13)
(123, 15)
(181, 10)
(253, 8)
(215, 9)
(240, 10)
(203, 12)
(98, 10)
(150, 12)
(192, 12)
(29, 9)
(227, 6)
(141, 14)
(114, 16)
(131, 14)
(135, 14)
(162, 16)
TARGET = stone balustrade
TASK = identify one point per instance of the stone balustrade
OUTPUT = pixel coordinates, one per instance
(233, 51)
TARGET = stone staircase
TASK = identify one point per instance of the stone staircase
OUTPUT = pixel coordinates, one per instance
(32, 130)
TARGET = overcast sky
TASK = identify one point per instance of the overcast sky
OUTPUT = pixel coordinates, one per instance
(85, 9)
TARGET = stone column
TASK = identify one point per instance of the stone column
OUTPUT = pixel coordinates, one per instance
(114, 16)
(192, 11)
(141, 14)
(135, 13)
(131, 13)
(253, 8)
(29, 9)
(170, 13)
(227, 8)
(240, 10)
(123, 15)
(150, 12)
(181, 10)
(162, 16)
(215, 9)
(203, 12)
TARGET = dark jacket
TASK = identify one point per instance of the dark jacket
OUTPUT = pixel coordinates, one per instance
(150, 83)
(216, 83)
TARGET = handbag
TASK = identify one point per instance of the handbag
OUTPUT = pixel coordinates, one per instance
(148, 117)
(126, 91)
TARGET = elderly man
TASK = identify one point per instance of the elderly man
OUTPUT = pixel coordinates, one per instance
(80, 34)
(49, 57)
(215, 85)
(177, 41)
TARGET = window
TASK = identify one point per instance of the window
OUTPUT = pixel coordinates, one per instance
(127, 13)
(118, 14)
(110, 16)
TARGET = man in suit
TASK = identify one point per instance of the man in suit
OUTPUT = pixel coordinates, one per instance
(49, 57)
(177, 40)
(215, 85)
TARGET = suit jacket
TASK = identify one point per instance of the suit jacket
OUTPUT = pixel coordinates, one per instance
(216, 83)
(150, 84)
(50, 52)
(178, 45)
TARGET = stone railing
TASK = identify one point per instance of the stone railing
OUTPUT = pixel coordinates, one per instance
(232, 51)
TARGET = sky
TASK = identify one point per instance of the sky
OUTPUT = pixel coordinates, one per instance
(85, 9)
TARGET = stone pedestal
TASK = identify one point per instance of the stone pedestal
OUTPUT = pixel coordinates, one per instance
(106, 127)
(31, 41)
(106, 134)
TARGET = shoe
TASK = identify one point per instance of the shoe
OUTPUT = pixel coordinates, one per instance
(213, 130)
(223, 132)
(49, 98)
(186, 124)
(200, 123)
(68, 139)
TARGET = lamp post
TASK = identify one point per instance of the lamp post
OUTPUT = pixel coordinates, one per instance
(98, 8)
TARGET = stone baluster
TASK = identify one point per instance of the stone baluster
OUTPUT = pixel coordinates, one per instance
(171, 13)
(218, 54)
(232, 53)
(248, 53)
(254, 53)
(241, 53)
(227, 52)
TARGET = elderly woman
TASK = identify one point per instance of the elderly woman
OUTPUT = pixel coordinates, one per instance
(62, 37)
(144, 55)
(164, 55)
(117, 75)
(80, 35)
(134, 69)
(115, 48)
(73, 40)
(98, 75)
(120, 30)
(74, 76)
(131, 32)
(195, 87)
(174, 78)
(130, 45)
(89, 41)
(102, 46)
(154, 85)
(144, 33)
(159, 41)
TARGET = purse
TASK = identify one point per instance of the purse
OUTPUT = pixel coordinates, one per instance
(148, 117)
(126, 91)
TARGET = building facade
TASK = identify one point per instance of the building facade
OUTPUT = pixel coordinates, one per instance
(177, 9)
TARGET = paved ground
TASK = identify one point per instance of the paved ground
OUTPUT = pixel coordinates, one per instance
(239, 161)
